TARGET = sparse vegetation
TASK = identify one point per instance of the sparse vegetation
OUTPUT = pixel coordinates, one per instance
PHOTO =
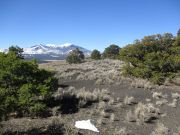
(81, 95)
(129, 100)
(121, 131)
(178, 130)
(106, 112)
(173, 104)
(143, 113)
(130, 117)
(160, 130)
(52, 126)
(69, 89)
(161, 102)
(158, 95)
(146, 112)
(142, 83)
(176, 95)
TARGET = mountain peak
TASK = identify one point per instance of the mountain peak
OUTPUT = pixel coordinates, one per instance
(51, 51)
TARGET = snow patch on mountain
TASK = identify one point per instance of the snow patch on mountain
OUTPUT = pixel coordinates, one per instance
(66, 45)
(54, 49)
(51, 51)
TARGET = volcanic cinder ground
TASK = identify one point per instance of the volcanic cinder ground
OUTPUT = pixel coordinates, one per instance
(130, 106)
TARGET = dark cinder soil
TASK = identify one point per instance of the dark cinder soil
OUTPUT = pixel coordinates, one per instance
(105, 69)
(171, 120)
(118, 87)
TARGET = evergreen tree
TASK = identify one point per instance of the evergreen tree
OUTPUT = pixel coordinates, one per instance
(75, 56)
(96, 55)
(17, 50)
(111, 52)
(178, 33)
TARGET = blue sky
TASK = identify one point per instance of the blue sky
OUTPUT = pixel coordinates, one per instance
(88, 23)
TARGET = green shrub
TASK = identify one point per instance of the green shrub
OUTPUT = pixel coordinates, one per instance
(158, 78)
(22, 84)
(177, 41)
(96, 55)
(37, 109)
(141, 72)
(178, 33)
(155, 57)
(76, 56)
(127, 69)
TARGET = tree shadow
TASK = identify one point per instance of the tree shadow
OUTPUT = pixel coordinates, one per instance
(69, 104)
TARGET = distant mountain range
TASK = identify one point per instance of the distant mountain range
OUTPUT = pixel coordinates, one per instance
(50, 51)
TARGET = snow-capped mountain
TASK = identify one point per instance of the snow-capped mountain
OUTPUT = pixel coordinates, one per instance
(51, 51)
(3, 50)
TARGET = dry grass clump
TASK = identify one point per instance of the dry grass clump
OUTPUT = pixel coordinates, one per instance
(83, 94)
(158, 95)
(173, 104)
(111, 101)
(175, 95)
(178, 130)
(161, 102)
(95, 95)
(141, 83)
(51, 125)
(130, 117)
(100, 81)
(103, 81)
(101, 105)
(69, 74)
(129, 100)
(60, 93)
(105, 110)
(112, 117)
(143, 113)
(148, 100)
(146, 112)
(55, 110)
(86, 95)
(160, 130)
(100, 121)
(121, 131)
(105, 114)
